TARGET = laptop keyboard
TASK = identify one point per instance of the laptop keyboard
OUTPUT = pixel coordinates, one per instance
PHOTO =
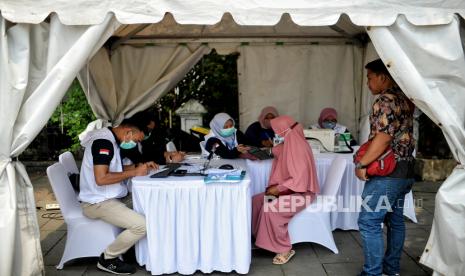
(171, 167)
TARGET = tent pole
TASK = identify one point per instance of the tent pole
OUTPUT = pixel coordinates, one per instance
(117, 43)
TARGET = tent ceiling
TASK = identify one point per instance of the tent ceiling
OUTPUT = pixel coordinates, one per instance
(244, 12)
(228, 28)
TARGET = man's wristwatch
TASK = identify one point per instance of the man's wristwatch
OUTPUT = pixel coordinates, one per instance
(359, 166)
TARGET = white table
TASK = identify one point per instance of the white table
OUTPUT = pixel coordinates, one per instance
(349, 193)
(194, 226)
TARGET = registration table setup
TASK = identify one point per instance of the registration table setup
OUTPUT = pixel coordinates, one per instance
(193, 225)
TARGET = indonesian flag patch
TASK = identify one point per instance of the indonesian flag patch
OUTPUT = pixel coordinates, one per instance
(104, 151)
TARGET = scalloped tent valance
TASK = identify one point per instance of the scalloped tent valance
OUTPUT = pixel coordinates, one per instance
(244, 12)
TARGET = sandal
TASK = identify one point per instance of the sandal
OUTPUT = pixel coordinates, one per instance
(282, 258)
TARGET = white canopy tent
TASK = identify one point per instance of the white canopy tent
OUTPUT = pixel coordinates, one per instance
(296, 54)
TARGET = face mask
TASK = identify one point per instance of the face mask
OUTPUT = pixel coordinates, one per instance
(277, 140)
(226, 132)
(128, 145)
(328, 125)
(147, 136)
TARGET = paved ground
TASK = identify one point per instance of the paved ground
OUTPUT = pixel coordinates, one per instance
(310, 258)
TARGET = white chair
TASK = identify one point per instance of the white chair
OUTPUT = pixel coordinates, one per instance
(86, 237)
(314, 223)
(170, 146)
(67, 160)
(204, 152)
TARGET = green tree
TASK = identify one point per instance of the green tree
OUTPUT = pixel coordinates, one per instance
(212, 81)
(73, 114)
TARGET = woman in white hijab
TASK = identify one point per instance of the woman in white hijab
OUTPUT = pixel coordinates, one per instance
(224, 138)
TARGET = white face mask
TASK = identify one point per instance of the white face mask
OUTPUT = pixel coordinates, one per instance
(277, 140)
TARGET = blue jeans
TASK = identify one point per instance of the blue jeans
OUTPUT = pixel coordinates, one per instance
(383, 201)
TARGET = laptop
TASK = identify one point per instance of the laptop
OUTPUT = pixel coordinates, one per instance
(166, 171)
(260, 154)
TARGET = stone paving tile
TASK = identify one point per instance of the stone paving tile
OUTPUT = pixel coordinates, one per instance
(66, 271)
(53, 256)
(426, 186)
(261, 257)
(314, 269)
(343, 269)
(53, 225)
(268, 270)
(349, 249)
(410, 267)
(305, 253)
(40, 219)
(49, 239)
(424, 218)
(415, 241)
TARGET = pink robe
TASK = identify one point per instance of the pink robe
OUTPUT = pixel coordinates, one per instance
(294, 173)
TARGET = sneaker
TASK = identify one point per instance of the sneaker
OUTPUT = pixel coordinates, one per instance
(115, 266)
(397, 274)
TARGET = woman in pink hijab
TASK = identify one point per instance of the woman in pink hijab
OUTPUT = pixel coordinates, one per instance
(292, 186)
(328, 120)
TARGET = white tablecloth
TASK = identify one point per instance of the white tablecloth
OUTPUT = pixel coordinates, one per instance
(351, 188)
(194, 226)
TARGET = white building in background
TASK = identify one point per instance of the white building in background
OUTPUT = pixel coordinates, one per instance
(191, 114)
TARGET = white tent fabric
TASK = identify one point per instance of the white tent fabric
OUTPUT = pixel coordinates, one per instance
(428, 63)
(134, 77)
(244, 12)
(300, 80)
(37, 64)
(367, 98)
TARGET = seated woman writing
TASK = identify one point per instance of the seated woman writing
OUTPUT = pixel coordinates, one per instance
(293, 180)
(328, 120)
(224, 139)
(260, 134)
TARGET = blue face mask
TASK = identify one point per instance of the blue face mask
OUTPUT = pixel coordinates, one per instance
(148, 136)
(128, 145)
(329, 125)
(227, 132)
(277, 140)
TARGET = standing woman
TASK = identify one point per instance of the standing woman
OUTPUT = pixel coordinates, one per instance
(260, 134)
(293, 180)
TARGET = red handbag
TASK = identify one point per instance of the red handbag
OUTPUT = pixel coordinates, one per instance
(383, 166)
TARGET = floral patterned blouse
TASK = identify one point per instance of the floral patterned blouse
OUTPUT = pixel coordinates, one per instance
(392, 113)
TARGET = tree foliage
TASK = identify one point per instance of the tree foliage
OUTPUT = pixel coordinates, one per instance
(73, 114)
(212, 81)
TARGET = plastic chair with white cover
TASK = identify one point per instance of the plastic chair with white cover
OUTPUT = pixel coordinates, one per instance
(86, 237)
(314, 223)
(67, 160)
(204, 152)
